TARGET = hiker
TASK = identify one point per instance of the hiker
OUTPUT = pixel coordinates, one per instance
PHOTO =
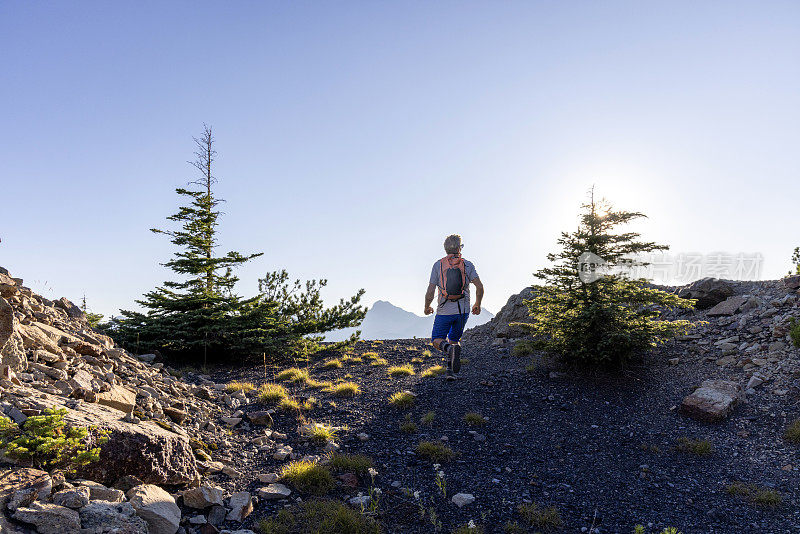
(452, 276)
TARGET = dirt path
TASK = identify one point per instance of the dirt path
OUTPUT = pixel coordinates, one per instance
(601, 450)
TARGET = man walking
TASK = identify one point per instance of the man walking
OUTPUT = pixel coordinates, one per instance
(452, 276)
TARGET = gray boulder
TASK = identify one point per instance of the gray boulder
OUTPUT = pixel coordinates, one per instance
(50, 518)
(156, 507)
(713, 401)
(119, 518)
(72, 497)
(707, 291)
(12, 348)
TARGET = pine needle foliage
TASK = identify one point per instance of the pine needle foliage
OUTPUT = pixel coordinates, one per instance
(46, 442)
(600, 318)
(199, 317)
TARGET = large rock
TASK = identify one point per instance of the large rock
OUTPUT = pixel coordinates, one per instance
(155, 455)
(203, 497)
(72, 497)
(119, 518)
(50, 518)
(119, 398)
(713, 401)
(8, 287)
(707, 291)
(514, 311)
(156, 507)
(12, 346)
(728, 306)
(21, 487)
(14, 480)
(273, 492)
(241, 504)
(792, 282)
(72, 310)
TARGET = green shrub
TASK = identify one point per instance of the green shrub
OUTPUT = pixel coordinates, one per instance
(794, 331)
(428, 418)
(332, 364)
(523, 348)
(600, 318)
(320, 517)
(46, 442)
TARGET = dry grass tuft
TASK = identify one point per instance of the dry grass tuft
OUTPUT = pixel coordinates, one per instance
(235, 385)
(434, 451)
(434, 370)
(539, 517)
(293, 374)
(344, 389)
(402, 399)
(792, 434)
(400, 370)
(308, 477)
(271, 393)
(474, 419)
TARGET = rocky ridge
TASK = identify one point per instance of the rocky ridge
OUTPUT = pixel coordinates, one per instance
(161, 428)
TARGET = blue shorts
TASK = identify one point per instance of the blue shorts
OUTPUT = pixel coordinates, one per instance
(449, 327)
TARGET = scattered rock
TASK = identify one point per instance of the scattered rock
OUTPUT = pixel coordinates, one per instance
(713, 401)
(156, 507)
(72, 497)
(727, 307)
(463, 499)
(117, 518)
(202, 497)
(261, 418)
(50, 518)
(708, 292)
(274, 491)
(241, 505)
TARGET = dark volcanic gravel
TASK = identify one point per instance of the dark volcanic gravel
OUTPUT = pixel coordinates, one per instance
(601, 448)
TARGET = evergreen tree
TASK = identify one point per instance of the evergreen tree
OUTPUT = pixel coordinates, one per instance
(589, 311)
(796, 261)
(200, 317)
(94, 319)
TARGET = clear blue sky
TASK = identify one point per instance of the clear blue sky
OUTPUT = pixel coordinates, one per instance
(353, 136)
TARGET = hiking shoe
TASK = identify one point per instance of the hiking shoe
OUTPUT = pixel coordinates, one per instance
(455, 357)
(450, 375)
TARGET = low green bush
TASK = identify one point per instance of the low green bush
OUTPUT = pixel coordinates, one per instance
(46, 442)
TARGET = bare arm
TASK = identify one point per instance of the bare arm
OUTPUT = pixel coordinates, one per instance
(429, 298)
(476, 309)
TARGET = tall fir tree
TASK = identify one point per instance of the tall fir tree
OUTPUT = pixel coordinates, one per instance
(589, 311)
(200, 317)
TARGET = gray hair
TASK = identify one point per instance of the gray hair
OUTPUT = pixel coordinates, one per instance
(452, 244)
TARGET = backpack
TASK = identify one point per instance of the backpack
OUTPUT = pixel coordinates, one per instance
(452, 278)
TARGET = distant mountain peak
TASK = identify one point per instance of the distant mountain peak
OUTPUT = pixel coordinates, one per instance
(385, 320)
